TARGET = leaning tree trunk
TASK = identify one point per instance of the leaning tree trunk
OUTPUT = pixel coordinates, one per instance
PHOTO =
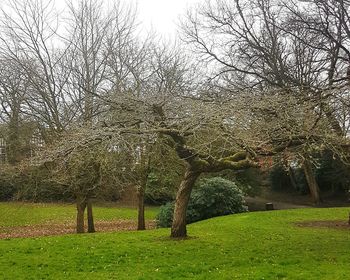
(90, 217)
(178, 228)
(81, 205)
(141, 208)
(311, 181)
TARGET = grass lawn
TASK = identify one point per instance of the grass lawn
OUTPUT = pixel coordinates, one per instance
(259, 245)
(21, 214)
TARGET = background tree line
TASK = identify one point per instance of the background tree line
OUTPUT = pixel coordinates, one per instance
(250, 80)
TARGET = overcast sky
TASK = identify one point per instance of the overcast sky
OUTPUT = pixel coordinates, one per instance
(162, 15)
(159, 15)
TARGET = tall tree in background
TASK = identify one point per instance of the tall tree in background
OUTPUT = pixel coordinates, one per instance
(29, 39)
(269, 47)
(13, 93)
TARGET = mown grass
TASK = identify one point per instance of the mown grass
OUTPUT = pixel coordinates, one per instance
(260, 245)
(21, 214)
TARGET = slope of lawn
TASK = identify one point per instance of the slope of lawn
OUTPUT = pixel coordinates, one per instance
(21, 214)
(259, 245)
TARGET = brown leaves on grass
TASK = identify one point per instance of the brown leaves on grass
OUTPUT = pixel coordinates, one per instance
(338, 224)
(68, 228)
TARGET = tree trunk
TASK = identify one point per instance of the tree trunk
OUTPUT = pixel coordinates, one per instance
(293, 181)
(311, 181)
(333, 120)
(144, 171)
(14, 145)
(90, 218)
(178, 228)
(81, 205)
(141, 208)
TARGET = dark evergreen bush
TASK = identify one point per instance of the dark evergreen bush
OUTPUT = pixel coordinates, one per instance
(160, 188)
(332, 174)
(211, 198)
(7, 189)
(279, 179)
(165, 215)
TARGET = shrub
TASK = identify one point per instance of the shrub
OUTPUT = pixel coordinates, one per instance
(8, 182)
(165, 215)
(7, 191)
(279, 179)
(31, 183)
(211, 198)
(249, 181)
(332, 174)
(300, 180)
(160, 188)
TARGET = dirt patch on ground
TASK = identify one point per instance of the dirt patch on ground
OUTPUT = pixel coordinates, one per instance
(338, 224)
(67, 228)
(259, 204)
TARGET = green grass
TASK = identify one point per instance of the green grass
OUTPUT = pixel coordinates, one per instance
(260, 245)
(20, 214)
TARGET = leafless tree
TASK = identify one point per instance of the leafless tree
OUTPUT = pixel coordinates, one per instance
(13, 88)
(28, 38)
(266, 46)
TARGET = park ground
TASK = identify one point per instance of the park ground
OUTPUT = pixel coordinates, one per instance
(306, 243)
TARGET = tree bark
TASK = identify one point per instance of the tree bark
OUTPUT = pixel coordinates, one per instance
(292, 178)
(144, 171)
(81, 205)
(311, 181)
(178, 228)
(141, 208)
(14, 146)
(90, 218)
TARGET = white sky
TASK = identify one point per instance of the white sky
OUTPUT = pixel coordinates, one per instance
(162, 15)
(159, 15)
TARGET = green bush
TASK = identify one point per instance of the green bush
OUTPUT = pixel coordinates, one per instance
(332, 174)
(165, 215)
(300, 180)
(7, 191)
(30, 184)
(8, 182)
(249, 181)
(211, 198)
(160, 188)
(279, 179)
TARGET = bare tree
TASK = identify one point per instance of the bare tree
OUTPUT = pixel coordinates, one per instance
(28, 31)
(13, 87)
(273, 46)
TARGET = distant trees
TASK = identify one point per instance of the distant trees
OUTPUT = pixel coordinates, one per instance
(13, 87)
(275, 82)
(28, 39)
(280, 49)
(57, 79)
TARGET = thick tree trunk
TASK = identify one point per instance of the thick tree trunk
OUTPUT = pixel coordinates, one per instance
(141, 208)
(90, 218)
(311, 181)
(81, 205)
(178, 228)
